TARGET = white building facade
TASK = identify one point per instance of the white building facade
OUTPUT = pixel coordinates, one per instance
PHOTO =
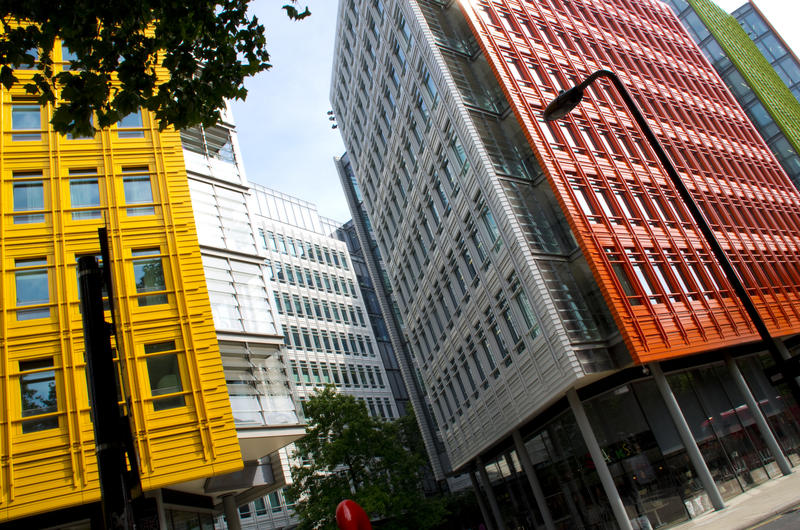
(328, 337)
(267, 414)
(287, 310)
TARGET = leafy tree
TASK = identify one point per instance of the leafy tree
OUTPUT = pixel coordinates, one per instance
(379, 464)
(118, 48)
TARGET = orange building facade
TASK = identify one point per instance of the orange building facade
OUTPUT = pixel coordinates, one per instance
(666, 293)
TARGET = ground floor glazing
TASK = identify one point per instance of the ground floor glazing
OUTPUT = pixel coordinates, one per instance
(643, 451)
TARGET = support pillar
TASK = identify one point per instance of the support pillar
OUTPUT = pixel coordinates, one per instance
(533, 480)
(599, 461)
(162, 512)
(487, 486)
(758, 416)
(231, 512)
(507, 482)
(482, 505)
(687, 438)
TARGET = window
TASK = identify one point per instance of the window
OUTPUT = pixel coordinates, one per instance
(84, 192)
(33, 288)
(131, 126)
(491, 227)
(138, 190)
(30, 58)
(164, 374)
(26, 122)
(526, 310)
(28, 196)
(148, 274)
(38, 397)
(617, 265)
(274, 502)
(67, 56)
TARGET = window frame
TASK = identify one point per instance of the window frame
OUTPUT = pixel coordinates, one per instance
(22, 179)
(160, 352)
(48, 419)
(149, 297)
(23, 134)
(31, 308)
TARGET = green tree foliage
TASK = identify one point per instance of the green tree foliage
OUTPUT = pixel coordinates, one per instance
(127, 40)
(350, 455)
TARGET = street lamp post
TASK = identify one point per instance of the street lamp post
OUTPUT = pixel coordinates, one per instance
(569, 99)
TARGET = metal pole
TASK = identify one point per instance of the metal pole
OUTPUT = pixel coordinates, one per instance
(101, 377)
(487, 486)
(533, 480)
(758, 416)
(482, 505)
(599, 461)
(685, 433)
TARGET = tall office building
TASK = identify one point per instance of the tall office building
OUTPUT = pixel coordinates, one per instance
(327, 333)
(367, 289)
(250, 333)
(582, 349)
(759, 68)
(396, 351)
(329, 339)
(194, 451)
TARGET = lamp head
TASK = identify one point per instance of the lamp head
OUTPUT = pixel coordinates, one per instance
(563, 104)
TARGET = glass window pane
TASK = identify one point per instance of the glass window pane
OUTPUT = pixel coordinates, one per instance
(165, 378)
(28, 196)
(38, 396)
(26, 117)
(138, 190)
(149, 276)
(85, 193)
(32, 288)
(131, 121)
(67, 56)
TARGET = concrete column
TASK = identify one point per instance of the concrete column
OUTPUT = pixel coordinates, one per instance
(487, 486)
(507, 482)
(162, 512)
(599, 461)
(761, 422)
(685, 433)
(533, 480)
(482, 505)
(231, 512)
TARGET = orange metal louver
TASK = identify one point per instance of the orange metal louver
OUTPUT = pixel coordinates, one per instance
(667, 294)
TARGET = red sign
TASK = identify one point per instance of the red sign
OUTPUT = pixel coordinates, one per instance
(351, 516)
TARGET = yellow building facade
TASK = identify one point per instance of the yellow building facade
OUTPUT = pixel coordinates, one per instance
(56, 192)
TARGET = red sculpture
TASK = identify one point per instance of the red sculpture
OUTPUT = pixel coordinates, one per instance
(351, 516)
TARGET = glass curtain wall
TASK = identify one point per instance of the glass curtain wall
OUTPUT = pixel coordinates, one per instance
(723, 428)
(644, 452)
(645, 455)
(777, 405)
(568, 477)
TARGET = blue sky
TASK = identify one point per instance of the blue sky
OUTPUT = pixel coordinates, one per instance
(285, 136)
